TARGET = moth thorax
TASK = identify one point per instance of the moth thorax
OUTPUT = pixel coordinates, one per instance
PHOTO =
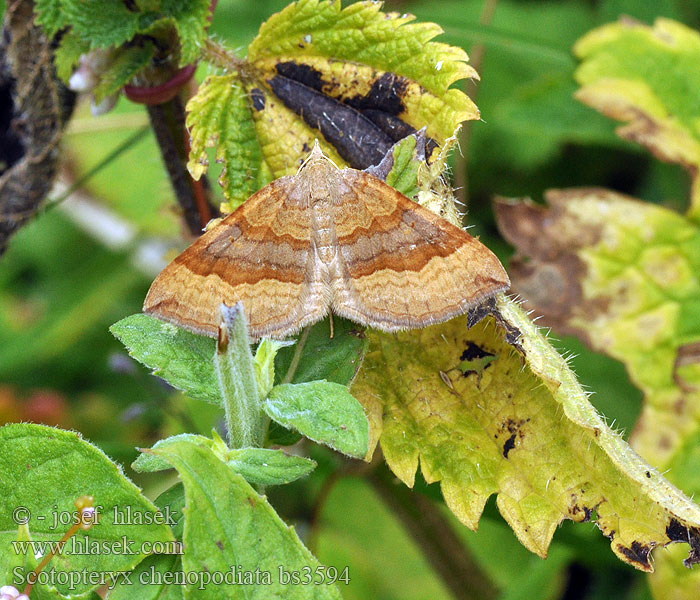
(324, 236)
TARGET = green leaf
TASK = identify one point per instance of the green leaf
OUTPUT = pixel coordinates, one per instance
(172, 504)
(151, 580)
(316, 355)
(106, 23)
(647, 77)
(259, 466)
(182, 358)
(125, 65)
(404, 173)
(220, 115)
(45, 470)
(68, 54)
(522, 428)
(191, 21)
(230, 526)
(15, 568)
(103, 23)
(362, 33)
(264, 466)
(281, 436)
(322, 411)
(49, 16)
(148, 462)
(265, 363)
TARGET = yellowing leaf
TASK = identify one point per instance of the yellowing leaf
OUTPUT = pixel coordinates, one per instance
(649, 78)
(362, 33)
(625, 276)
(521, 427)
(219, 116)
(357, 79)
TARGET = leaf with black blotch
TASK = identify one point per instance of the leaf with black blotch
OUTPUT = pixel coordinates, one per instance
(356, 78)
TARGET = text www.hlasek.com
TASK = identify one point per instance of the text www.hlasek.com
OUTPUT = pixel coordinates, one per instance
(85, 545)
(234, 576)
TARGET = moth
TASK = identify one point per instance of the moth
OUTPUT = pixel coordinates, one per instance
(327, 239)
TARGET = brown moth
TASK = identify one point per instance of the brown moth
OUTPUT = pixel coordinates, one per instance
(327, 240)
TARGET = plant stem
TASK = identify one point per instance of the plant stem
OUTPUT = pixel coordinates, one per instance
(223, 58)
(168, 122)
(436, 538)
(246, 423)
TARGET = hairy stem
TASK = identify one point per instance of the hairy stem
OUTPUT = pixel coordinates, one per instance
(223, 58)
(246, 423)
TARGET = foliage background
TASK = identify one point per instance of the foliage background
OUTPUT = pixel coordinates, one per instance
(67, 277)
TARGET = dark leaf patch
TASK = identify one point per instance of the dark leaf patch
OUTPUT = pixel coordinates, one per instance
(677, 532)
(514, 428)
(637, 554)
(362, 128)
(358, 141)
(386, 95)
(257, 97)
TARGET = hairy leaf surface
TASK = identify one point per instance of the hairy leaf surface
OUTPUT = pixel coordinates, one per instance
(520, 427)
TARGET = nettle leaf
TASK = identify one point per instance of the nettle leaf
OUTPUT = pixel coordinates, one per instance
(647, 77)
(520, 427)
(46, 470)
(191, 20)
(121, 71)
(322, 411)
(68, 54)
(90, 24)
(228, 525)
(219, 116)
(358, 79)
(103, 23)
(182, 358)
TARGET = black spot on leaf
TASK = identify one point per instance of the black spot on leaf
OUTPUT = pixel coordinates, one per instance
(509, 445)
(386, 95)
(637, 553)
(302, 73)
(474, 351)
(677, 532)
(257, 96)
